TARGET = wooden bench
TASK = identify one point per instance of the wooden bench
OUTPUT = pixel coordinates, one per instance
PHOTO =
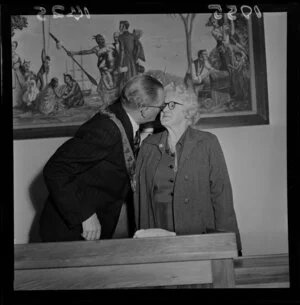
(262, 271)
(127, 263)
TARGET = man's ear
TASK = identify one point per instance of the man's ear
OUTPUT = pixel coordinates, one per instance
(142, 111)
(188, 114)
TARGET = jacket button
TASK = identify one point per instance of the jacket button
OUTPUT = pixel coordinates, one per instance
(172, 194)
(171, 180)
(186, 200)
(186, 177)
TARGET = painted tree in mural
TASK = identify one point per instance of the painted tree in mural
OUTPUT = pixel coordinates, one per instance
(18, 22)
(187, 20)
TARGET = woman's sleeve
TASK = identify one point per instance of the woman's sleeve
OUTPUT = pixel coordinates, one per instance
(221, 191)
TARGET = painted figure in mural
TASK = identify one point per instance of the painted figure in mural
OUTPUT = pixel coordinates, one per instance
(30, 89)
(218, 56)
(49, 99)
(207, 78)
(128, 45)
(139, 54)
(201, 70)
(25, 69)
(88, 177)
(239, 58)
(18, 80)
(72, 95)
(222, 57)
(30, 93)
(239, 78)
(107, 63)
(116, 43)
(43, 71)
(182, 182)
(235, 34)
(116, 58)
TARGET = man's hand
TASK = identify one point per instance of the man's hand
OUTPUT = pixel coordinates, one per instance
(153, 233)
(91, 228)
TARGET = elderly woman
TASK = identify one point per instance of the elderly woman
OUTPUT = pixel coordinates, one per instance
(182, 182)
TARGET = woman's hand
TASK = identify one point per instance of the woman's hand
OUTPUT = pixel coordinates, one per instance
(153, 233)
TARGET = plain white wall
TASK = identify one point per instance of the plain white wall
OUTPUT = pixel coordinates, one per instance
(255, 155)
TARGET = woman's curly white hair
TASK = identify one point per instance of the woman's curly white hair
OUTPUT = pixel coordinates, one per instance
(187, 97)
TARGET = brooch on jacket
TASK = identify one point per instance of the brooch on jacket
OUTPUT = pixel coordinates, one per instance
(161, 146)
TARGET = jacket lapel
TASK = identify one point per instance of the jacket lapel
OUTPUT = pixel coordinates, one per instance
(158, 140)
(121, 114)
(189, 143)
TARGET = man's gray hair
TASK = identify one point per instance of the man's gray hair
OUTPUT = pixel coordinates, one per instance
(141, 90)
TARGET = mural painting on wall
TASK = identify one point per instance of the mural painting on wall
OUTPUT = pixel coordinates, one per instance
(64, 70)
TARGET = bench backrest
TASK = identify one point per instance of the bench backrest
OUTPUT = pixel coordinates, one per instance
(124, 263)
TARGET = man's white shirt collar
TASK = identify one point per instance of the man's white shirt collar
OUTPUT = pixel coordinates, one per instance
(135, 126)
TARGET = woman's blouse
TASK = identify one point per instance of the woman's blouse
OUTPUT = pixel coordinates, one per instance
(164, 188)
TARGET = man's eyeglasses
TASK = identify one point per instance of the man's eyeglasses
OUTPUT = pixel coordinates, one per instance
(171, 105)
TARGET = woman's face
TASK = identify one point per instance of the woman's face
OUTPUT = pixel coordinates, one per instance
(26, 65)
(174, 117)
(55, 83)
(100, 42)
(67, 80)
(31, 85)
(116, 37)
(214, 22)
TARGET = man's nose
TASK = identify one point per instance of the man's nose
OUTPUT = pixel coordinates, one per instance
(165, 109)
